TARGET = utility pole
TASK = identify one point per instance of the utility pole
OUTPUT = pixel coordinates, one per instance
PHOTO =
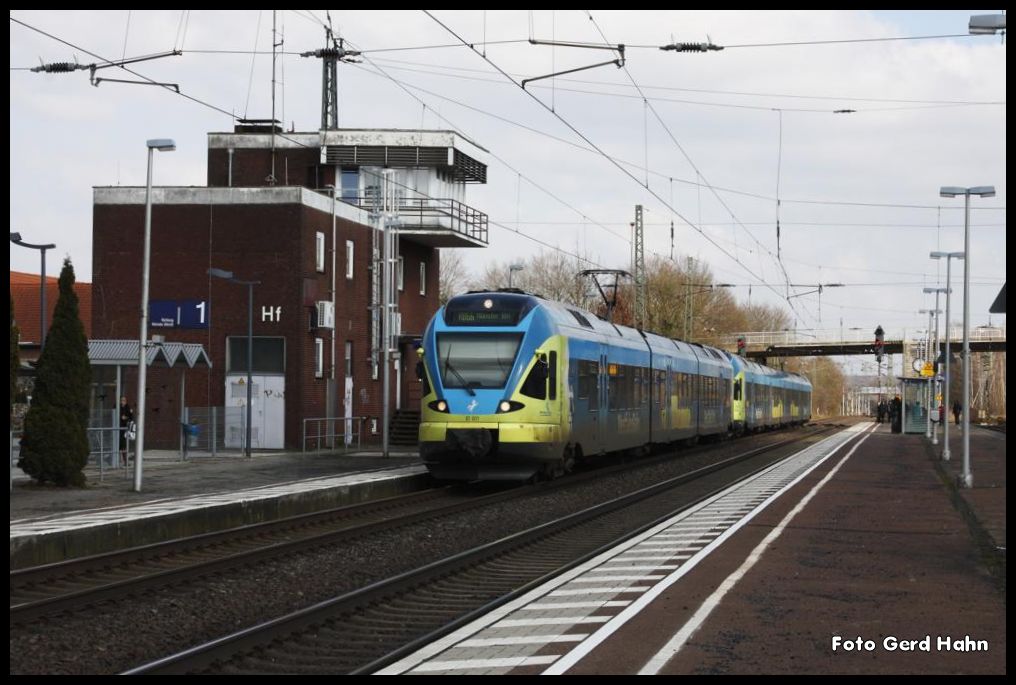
(639, 269)
(687, 301)
(331, 56)
(389, 296)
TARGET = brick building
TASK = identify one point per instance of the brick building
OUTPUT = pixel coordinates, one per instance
(316, 348)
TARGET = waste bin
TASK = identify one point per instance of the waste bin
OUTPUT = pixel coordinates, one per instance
(190, 436)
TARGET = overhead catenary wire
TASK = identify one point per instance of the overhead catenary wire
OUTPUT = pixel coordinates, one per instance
(501, 160)
(710, 91)
(914, 105)
(699, 174)
(295, 141)
(572, 143)
(598, 149)
(649, 172)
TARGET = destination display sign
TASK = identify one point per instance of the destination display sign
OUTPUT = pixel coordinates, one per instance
(488, 309)
(489, 317)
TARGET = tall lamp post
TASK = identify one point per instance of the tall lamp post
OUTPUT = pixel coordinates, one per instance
(228, 275)
(928, 390)
(16, 239)
(948, 256)
(512, 268)
(953, 191)
(937, 348)
(164, 145)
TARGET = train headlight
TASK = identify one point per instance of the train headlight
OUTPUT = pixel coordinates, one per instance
(505, 406)
(439, 405)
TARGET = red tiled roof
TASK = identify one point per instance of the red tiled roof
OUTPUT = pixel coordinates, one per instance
(21, 278)
(25, 289)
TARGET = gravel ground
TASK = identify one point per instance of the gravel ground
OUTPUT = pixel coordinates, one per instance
(117, 637)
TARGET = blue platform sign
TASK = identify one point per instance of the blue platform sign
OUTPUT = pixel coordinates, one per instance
(179, 313)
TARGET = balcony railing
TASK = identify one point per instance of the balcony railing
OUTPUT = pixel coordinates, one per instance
(430, 214)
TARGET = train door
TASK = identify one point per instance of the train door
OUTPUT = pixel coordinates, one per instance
(602, 402)
(666, 421)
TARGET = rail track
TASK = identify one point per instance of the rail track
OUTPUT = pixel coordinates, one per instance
(362, 630)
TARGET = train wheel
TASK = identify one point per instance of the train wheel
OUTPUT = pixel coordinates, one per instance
(565, 465)
(561, 467)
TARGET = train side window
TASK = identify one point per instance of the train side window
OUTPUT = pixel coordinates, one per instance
(594, 385)
(582, 389)
(535, 385)
(615, 389)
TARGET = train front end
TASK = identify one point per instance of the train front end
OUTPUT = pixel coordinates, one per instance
(493, 390)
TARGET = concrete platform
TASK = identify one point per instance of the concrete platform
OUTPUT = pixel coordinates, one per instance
(181, 498)
(869, 546)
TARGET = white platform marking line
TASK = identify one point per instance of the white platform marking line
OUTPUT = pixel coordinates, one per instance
(163, 507)
(613, 625)
(550, 606)
(557, 620)
(653, 666)
(594, 577)
(527, 640)
(615, 590)
(630, 567)
(463, 664)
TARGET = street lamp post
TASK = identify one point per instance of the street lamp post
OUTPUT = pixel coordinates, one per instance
(948, 256)
(228, 275)
(164, 145)
(512, 269)
(16, 239)
(928, 391)
(953, 191)
(937, 291)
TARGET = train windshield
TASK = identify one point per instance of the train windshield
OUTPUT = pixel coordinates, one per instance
(476, 360)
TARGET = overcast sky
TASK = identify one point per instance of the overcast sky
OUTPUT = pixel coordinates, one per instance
(720, 137)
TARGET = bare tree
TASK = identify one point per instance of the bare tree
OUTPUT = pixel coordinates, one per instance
(763, 317)
(453, 275)
(551, 274)
(827, 383)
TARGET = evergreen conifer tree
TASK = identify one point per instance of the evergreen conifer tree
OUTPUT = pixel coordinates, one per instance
(55, 444)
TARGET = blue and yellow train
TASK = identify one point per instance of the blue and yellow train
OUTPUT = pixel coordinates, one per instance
(516, 386)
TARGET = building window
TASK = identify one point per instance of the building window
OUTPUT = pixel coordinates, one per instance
(349, 259)
(423, 278)
(319, 251)
(400, 274)
(319, 358)
(349, 359)
(350, 180)
(269, 355)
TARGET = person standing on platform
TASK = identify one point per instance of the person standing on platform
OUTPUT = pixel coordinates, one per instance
(896, 414)
(126, 426)
(957, 411)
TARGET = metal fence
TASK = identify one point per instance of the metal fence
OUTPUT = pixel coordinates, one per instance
(103, 433)
(215, 432)
(15, 452)
(333, 434)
